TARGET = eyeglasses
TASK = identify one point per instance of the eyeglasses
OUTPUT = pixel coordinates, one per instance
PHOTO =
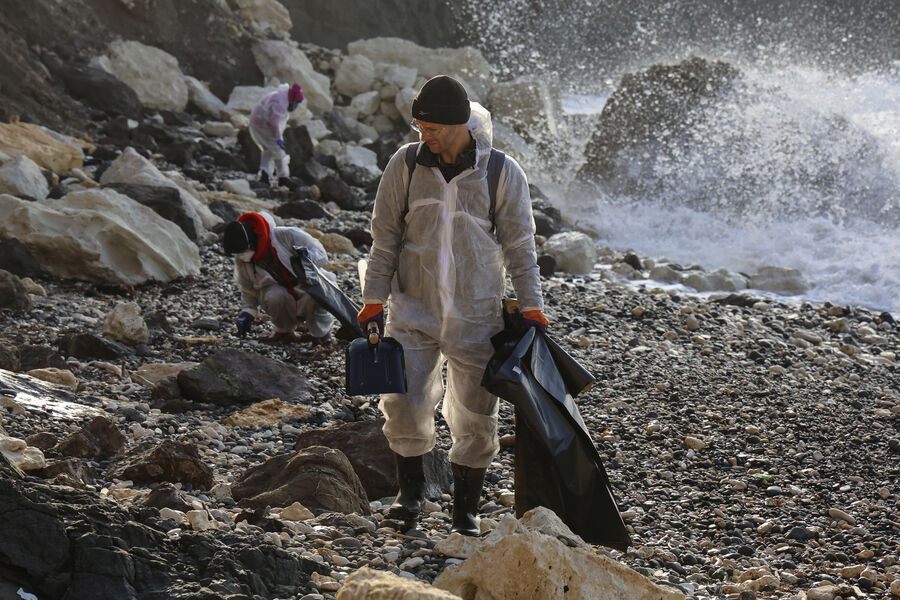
(429, 131)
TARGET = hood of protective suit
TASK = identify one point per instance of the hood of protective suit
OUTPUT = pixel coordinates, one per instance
(481, 128)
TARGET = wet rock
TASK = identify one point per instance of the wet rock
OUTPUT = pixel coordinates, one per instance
(236, 377)
(39, 357)
(98, 440)
(317, 477)
(169, 461)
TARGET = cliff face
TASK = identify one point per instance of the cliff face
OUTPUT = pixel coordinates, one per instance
(208, 39)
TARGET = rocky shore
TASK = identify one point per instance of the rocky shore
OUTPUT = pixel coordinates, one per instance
(752, 441)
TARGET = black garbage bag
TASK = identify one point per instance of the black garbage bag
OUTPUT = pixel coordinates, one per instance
(314, 282)
(556, 463)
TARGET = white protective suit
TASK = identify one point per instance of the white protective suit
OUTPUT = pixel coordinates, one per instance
(267, 123)
(259, 289)
(445, 275)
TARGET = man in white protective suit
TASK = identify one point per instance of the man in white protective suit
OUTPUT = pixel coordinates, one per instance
(440, 252)
(267, 123)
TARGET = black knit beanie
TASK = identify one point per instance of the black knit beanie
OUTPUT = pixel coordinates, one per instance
(442, 100)
(238, 237)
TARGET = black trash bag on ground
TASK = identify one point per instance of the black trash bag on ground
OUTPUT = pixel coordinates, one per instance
(314, 282)
(556, 463)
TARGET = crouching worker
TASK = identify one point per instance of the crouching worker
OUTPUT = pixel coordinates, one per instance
(262, 270)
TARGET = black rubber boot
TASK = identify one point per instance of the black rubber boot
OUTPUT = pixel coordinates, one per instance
(411, 473)
(467, 484)
(264, 178)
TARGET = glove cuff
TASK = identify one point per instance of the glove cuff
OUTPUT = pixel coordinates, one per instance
(368, 311)
(536, 316)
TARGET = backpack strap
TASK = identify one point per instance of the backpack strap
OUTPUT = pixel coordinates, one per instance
(411, 151)
(495, 166)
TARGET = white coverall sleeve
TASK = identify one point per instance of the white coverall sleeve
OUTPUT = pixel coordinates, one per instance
(515, 232)
(243, 276)
(387, 230)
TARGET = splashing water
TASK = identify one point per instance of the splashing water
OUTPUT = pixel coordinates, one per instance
(799, 169)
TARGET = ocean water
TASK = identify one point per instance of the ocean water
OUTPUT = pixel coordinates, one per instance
(801, 169)
(850, 254)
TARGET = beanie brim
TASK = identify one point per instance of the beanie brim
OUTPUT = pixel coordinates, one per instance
(442, 114)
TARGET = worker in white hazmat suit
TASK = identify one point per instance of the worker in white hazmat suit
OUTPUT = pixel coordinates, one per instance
(267, 123)
(439, 257)
(266, 279)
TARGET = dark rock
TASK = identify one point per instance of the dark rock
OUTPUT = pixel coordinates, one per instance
(40, 357)
(43, 440)
(336, 190)
(12, 293)
(547, 265)
(234, 376)
(69, 471)
(165, 495)
(385, 147)
(88, 345)
(633, 261)
(66, 543)
(206, 324)
(319, 478)
(313, 171)
(359, 236)
(177, 118)
(98, 440)
(299, 144)
(223, 209)
(545, 225)
(339, 130)
(249, 150)
(365, 446)
(645, 104)
(164, 201)
(101, 90)
(301, 209)
(10, 358)
(170, 461)
(18, 260)
(359, 177)
(157, 320)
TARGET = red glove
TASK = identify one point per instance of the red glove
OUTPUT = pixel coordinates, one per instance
(372, 313)
(536, 318)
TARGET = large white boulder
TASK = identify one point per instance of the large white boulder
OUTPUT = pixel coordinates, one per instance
(718, 280)
(355, 75)
(99, 235)
(152, 73)
(574, 251)
(202, 98)
(265, 15)
(515, 561)
(363, 159)
(280, 62)
(466, 64)
(131, 167)
(22, 177)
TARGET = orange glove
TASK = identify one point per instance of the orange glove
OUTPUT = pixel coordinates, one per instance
(372, 313)
(536, 318)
